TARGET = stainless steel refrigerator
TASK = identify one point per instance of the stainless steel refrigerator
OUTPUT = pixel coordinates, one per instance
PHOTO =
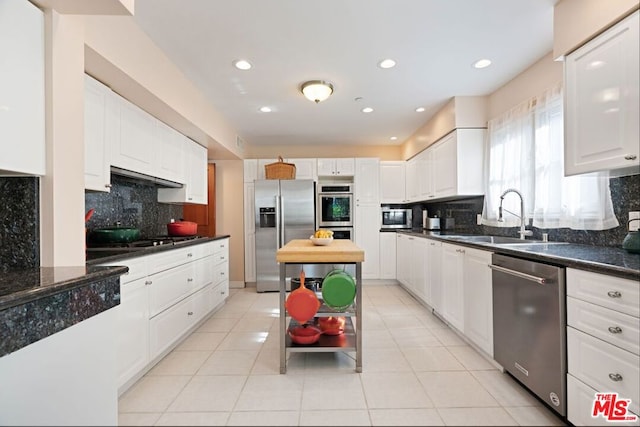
(285, 210)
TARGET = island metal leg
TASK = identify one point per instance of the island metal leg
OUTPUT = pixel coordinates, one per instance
(283, 320)
(359, 317)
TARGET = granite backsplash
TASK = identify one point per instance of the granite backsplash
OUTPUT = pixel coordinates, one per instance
(625, 195)
(19, 223)
(134, 203)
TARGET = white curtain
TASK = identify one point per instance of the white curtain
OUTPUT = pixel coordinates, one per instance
(525, 152)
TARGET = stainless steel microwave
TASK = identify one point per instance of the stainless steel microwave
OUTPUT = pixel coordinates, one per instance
(395, 217)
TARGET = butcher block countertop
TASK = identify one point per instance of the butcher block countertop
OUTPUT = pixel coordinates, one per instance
(304, 251)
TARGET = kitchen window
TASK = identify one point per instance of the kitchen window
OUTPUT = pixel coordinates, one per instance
(525, 151)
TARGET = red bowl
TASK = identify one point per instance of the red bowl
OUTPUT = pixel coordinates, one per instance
(305, 334)
(182, 228)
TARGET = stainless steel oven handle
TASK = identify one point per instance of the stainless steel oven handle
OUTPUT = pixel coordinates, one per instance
(539, 280)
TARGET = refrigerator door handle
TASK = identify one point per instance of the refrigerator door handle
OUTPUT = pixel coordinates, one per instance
(279, 228)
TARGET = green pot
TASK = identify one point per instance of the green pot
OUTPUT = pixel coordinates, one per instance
(631, 242)
(114, 235)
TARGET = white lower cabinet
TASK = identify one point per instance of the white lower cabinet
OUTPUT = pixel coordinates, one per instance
(163, 296)
(366, 229)
(403, 263)
(453, 285)
(602, 343)
(387, 255)
(433, 278)
(411, 267)
(478, 299)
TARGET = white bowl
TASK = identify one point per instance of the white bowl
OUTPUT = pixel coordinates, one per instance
(321, 241)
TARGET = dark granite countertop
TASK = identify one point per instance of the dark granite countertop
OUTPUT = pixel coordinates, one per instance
(598, 259)
(24, 286)
(109, 255)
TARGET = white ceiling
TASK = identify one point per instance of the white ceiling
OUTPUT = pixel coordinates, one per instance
(434, 42)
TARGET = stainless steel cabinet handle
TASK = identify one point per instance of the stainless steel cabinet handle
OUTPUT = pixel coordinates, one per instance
(614, 294)
(615, 329)
(539, 280)
(190, 313)
(630, 157)
(615, 377)
(189, 255)
(108, 185)
(189, 279)
(148, 282)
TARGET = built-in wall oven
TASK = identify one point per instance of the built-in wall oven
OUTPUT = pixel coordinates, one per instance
(335, 205)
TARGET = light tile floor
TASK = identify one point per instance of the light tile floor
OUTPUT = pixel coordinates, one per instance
(416, 371)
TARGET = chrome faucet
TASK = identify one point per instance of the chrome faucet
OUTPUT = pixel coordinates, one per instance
(523, 231)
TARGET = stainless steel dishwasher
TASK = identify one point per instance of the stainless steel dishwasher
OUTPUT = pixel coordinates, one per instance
(529, 326)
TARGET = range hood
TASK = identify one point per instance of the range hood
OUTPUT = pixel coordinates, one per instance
(137, 175)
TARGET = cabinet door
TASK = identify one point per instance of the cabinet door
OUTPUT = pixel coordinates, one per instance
(133, 149)
(345, 167)
(445, 169)
(478, 299)
(170, 153)
(387, 255)
(392, 182)
(132, 330)
(22, 74)
(305, 168)
(412, 180)
(367, 227)
(433, 263)
(367, 181)
(402, 259)
(601, 102)
(452, 280)
(418, 267)
(250, 170)
(99, 122)
(197, 183)
(326, 167)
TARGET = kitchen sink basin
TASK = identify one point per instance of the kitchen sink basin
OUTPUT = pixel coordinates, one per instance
(499, 240)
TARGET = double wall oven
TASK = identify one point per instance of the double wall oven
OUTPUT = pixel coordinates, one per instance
(335, 208)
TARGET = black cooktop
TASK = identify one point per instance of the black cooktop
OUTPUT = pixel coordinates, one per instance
(144, 243)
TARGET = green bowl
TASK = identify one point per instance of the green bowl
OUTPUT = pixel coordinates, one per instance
(114, 235)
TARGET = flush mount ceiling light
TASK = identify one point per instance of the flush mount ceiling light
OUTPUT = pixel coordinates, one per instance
(242, 64)
(316, 90)
(419, 109)
(482, 63)
(265, 109)
(367, 110)
(387, 63)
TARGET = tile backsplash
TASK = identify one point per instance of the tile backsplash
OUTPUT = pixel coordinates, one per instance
(134, 203)
(19, 223)
(625, 195)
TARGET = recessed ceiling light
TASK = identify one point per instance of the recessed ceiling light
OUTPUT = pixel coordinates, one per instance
(387, 63)
(482, 63)
(242, 64)
(393, 138)
(419, 109)
(367, 110)
(265, 109)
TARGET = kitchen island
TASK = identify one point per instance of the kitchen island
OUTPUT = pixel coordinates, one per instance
(340, 251)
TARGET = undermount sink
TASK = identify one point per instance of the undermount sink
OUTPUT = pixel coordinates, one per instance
(499, 240)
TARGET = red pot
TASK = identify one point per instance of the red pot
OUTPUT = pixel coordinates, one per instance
(305, 334)
(182, 228)
(332, 325)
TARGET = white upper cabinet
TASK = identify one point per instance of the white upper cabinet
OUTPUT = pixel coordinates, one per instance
(336, 167)
(367, 181)
(601, 102)
(170, 150)
(305, 168)
(411, 179)
(392, 182)
(457, 164)
(22, 99)
(134, 147)
(100, 126)
(250, 170)
(195, 188)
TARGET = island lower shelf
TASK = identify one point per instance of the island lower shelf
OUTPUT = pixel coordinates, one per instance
(327, 343)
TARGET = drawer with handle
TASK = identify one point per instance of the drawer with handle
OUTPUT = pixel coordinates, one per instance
(603, 366)
(611, 326)
(618, 294)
